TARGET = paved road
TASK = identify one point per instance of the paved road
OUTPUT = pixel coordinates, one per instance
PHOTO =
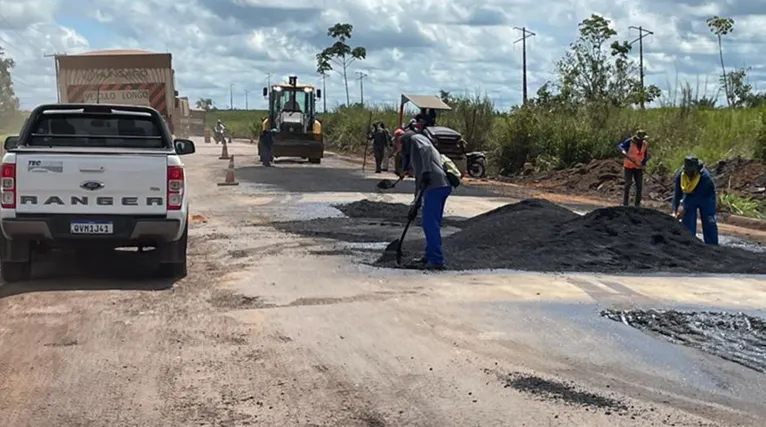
(275, 329)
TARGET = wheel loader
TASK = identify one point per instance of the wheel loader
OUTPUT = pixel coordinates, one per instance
(292, 112)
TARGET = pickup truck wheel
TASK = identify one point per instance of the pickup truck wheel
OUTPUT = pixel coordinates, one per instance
(315, 161)
(176, 269)
(15, 260)
(15, 271)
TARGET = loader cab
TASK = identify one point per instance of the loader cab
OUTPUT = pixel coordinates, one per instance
(292, 107)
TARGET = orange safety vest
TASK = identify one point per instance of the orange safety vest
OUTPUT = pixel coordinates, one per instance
(635, 153)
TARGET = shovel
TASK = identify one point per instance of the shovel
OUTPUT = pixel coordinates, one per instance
(387, 184)
(398, 243)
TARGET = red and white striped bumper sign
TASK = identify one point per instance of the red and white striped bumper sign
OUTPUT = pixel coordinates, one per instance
(150, 94)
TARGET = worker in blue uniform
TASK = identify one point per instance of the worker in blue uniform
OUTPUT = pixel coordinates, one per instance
(695, 191)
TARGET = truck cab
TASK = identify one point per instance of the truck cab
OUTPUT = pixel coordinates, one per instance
(93, 176)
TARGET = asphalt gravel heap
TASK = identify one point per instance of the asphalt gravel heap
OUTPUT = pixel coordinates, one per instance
(394, 212)
(736, 337)
(538, 235)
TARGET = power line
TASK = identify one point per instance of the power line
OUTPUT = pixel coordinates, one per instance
(525, 34)
(18, 34)
(642, 32)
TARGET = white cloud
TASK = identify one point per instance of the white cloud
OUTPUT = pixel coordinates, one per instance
(413, 46)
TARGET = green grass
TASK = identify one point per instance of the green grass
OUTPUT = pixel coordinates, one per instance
(558, 140)
(240, 123)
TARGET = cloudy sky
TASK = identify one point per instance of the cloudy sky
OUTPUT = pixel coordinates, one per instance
(422, 46)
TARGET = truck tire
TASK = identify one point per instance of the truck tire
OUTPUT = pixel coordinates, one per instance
(15, 260)
(176, 269)
(15, 271)
(315, 161)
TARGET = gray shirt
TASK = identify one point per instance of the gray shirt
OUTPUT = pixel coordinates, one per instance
(424, 157)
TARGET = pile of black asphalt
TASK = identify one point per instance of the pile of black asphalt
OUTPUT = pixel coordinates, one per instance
(538, 235)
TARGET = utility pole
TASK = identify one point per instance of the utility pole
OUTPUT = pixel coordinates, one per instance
(324, 92)
(56, 67)
(247, 100)
(231, 96)
(642, 32)
(525, 34)
(361, 86)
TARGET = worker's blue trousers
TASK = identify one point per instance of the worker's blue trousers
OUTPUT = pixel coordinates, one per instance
(433, 211)
(706, 209)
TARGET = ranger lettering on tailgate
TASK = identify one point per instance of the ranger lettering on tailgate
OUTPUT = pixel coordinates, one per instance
(99, 201)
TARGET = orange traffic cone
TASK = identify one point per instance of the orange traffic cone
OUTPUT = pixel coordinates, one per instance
(224, 151)
(229, 180)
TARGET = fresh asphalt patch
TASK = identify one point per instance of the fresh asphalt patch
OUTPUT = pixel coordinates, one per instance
(736, 337)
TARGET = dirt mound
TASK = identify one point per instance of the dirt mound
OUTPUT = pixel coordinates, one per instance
(742, 176)
(601, 177)
(604, 178)
(540, 236)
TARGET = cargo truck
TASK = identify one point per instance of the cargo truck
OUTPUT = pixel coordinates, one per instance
(119, 76)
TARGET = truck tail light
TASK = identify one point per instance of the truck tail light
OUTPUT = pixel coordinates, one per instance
(8, 185)
(175, 187)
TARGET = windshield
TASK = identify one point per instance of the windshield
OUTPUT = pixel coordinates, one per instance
(295, 100)
(96, 130)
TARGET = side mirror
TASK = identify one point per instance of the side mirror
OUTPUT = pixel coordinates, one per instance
(184, 146)
(265, 92)
(11, 142)
(319, 93)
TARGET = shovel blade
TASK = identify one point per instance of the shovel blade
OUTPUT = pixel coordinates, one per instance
(385, 184)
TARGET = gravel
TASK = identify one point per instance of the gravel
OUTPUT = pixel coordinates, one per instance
(538, 235)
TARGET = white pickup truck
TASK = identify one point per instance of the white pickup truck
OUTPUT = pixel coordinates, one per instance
(92, 177)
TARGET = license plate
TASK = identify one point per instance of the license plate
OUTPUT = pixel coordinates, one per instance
(91, 227)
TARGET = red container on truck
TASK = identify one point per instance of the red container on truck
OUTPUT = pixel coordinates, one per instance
(119, 76)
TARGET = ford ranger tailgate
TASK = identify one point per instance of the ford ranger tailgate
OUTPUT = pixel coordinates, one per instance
(121, 184)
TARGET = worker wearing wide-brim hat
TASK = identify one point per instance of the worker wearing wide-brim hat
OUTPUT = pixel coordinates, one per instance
(695, 191)
(635, 155)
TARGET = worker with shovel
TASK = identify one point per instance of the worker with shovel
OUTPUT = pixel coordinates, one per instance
(635, 155)
(265, 143)
(432, 189)
(695, 190)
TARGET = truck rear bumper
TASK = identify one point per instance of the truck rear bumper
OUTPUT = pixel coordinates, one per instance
(126, 230)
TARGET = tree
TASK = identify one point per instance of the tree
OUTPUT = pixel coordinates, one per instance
(721, 27)
(596, 71)
(205, 104)
(740, 91)
(9, 103)
(340, 53)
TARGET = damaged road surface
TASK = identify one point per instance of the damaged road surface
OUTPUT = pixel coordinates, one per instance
(278, 324)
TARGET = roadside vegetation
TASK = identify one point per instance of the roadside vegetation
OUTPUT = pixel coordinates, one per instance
(595, 101)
